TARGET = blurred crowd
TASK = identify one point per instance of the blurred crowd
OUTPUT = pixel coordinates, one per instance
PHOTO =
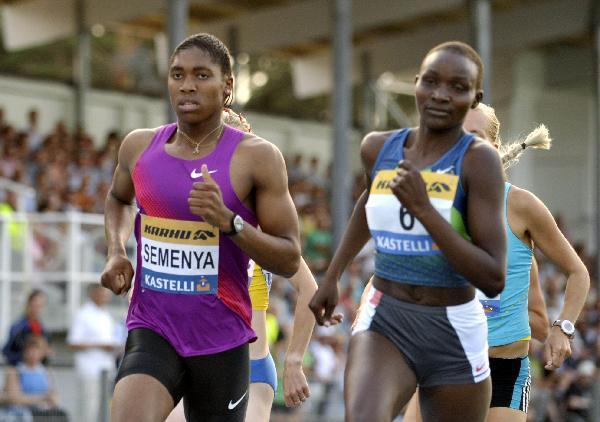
(70, 173)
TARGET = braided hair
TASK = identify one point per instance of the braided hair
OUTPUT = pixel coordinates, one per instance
(510, 153)
(236, 120)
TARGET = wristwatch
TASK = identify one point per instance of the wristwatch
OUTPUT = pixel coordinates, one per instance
(566, 327)
(237, 225)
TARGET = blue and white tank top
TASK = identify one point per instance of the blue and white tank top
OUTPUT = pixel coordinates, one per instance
(405, 251)
(508, 317)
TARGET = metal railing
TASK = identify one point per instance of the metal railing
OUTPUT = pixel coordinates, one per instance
(57, 252)
(25, 194)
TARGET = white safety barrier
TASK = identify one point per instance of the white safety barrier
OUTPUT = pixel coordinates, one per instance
(59, 253)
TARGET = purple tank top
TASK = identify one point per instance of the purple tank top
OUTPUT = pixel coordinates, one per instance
(191, 283)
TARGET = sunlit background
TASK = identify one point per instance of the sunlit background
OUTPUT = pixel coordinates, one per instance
(311, 76)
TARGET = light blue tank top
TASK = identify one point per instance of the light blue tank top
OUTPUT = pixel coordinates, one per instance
(34, 381)
(508, 317)
(405, 251)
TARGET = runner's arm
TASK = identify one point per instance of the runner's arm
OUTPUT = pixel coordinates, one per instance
(538, 317)
(119, 213)
(295, 385)
(546, 235)
(119, 206)
(355, 236)
(275, 246)
(548, 238)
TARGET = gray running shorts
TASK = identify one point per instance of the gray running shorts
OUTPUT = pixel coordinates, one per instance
(442, 345)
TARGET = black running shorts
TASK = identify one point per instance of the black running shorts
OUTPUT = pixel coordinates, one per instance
(213, 387)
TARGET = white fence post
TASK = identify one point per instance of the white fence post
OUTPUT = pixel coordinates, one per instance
(5, 258)
(74, 282)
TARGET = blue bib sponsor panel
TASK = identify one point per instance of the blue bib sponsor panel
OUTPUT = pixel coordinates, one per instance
(491, 306)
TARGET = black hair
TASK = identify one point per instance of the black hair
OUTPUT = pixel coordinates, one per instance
(465, 50)
(212, 45)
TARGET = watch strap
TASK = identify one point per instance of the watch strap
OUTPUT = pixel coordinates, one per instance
(233, 230)
(558, 323)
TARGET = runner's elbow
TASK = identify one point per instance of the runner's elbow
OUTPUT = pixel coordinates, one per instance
(494, 282)
(290, 263)
(290, 267)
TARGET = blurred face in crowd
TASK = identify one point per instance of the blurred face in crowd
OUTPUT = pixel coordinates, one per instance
(36, 306)
(33, 118)
(197, 86)
(35, 351)
(100, 296)
(446, 89)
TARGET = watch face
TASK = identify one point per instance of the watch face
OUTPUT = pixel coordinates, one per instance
(567, 327)
(238, 223)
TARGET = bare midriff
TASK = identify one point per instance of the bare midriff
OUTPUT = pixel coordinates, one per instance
(425, 295)
(518, 349)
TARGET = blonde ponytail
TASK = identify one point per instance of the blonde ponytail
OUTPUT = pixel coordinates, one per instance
(236, 120)
(538, 138)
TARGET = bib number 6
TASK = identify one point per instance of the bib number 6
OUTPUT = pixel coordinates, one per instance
(407, 220)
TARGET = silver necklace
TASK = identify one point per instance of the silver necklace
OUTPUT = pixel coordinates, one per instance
(197, 144)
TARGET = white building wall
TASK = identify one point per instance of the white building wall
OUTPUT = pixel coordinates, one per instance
(562, 177)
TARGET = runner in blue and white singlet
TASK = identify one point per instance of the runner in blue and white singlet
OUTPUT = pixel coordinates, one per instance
(514, 316)
(433, 207)
(406, 252)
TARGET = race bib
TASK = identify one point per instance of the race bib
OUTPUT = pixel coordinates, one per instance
(491, 305)
(179, 257)
(394, 229)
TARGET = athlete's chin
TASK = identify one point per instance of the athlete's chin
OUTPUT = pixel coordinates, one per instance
(189, 118)
(439, 124)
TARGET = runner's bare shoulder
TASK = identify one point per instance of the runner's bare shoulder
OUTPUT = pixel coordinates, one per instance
(133, 145)
(371, 145)
(259, 152)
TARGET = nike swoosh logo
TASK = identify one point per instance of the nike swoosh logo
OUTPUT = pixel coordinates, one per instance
(232, 406)
(479, 368)
(195, 175)
(446, 170)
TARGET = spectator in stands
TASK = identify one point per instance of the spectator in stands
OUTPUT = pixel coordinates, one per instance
(29, 387)
(107, 156)
(2, 122)
(543, 406)
(84, 169)
(29, 323)
(93, 338)
(318, 242)
(294, 169)
(326, 366)
(81, 199)
(11, 162)
(32, 130)
(314, 173)
(579, 396)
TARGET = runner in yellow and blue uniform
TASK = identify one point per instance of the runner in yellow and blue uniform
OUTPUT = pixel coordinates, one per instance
(263, 374)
